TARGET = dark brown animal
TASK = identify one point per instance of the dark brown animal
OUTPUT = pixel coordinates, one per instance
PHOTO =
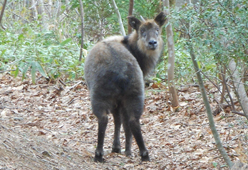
(114, 72)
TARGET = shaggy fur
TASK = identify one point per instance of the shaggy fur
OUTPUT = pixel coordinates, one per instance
(114, 72)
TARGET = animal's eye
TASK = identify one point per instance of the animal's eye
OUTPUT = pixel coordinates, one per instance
(143, 32)
(157, 31)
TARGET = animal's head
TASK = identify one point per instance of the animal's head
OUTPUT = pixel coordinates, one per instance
(148, 31)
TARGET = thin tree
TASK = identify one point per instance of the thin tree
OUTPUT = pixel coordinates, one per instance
(34, 10)
(44, 16)
(82, 29)
(1, 15)
(49, 7)
(208, 108)
(239, 86)
(171, 60)
(130, 12)
(119, 18)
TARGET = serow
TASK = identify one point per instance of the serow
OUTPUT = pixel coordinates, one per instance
(114, 72)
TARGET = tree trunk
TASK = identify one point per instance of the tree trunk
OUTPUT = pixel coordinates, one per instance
(44, 16)
(82, 29)
(130, 12)
(223, 80)
(119, 18)
(208, 108)
(50, 3)
(2, 12)
(239, 87)
(100, 37)
(172, 3)
(57, 11)
(171, 60)
(34, 10)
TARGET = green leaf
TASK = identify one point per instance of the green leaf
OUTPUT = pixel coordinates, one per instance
(63, 7)
(41, 70)
(16, 72)
(3, 52)
(56, 62)
(75, 4)
(215, 164)
(65, 42)
(25, 71)
(20, 37)
(33, 71)
(199, 64)
(210, 66)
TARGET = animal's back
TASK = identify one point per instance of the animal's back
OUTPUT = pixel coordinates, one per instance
(112, 72)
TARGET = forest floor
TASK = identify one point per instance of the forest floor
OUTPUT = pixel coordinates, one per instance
(51, 126)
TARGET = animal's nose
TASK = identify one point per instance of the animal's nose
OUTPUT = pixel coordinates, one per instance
(153, 44)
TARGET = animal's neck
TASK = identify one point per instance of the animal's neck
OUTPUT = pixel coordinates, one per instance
(147, 60)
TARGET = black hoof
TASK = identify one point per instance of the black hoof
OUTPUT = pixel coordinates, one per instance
(98, 156)
(145, 156)
(116, 150)
(99, 159)
(128, 153)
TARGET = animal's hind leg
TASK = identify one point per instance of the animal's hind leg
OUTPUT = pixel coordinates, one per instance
(134, 110)
(102, 124)
(117, 120)
(102, 117)
(128, 132)
(136, 131)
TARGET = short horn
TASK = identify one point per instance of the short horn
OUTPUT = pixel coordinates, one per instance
(142, 18)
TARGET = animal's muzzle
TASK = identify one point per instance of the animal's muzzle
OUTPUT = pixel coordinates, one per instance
(152, 44)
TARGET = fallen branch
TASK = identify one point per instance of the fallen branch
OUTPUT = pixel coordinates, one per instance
(62, 82)
(239, 113)
(75, 85)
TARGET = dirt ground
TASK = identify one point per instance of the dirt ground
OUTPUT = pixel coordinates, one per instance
(51, 126)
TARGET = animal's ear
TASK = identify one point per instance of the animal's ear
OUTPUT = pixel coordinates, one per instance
(160, 19)
(134, 22)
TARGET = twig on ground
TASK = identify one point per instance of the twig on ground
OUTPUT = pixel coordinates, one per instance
(239, 113)
(62, 82)
(71, 101)
(75, 85)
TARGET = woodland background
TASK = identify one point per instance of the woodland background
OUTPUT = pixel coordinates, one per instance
(46, 120)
